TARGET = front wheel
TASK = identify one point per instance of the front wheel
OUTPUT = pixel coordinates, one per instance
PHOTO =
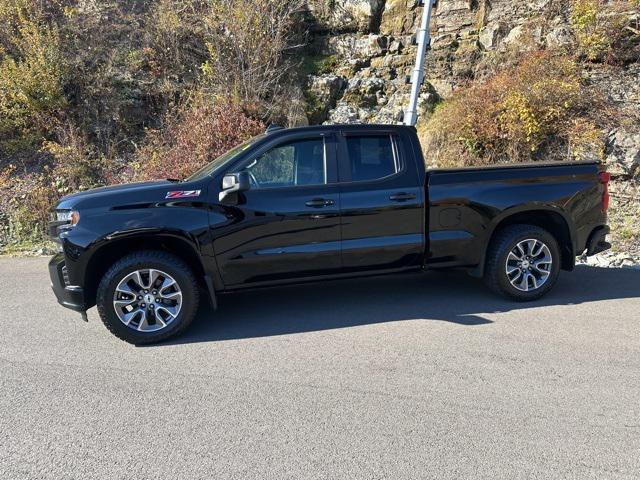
(147, 296)
(523, 262)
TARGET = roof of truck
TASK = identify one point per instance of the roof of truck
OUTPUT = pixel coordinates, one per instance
(338, 127)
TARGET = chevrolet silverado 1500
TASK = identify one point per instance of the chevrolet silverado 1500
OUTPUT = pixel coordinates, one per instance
(304, 204)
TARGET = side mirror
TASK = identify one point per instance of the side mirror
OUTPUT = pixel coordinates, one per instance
(234, 183)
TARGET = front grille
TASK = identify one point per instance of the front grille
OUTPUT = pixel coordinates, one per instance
(65, 275)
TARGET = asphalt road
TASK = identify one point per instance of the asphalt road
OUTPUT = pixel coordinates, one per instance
(425, 376)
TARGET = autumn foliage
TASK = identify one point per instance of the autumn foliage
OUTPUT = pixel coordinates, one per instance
(93, 93)
(539, 107)
(205, 129)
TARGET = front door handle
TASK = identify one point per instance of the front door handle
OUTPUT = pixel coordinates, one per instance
(402, 197)
(319, 203)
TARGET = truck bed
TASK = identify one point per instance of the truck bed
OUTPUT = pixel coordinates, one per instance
(466, 205)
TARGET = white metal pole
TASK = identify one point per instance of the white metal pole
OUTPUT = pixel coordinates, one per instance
(417, 77)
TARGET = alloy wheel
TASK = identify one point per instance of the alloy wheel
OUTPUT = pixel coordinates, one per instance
(528, 265)
(147, 300)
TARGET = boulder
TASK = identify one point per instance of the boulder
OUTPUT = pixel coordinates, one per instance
(343, 113)
(357, 47)
(365, 91)
(322, 93)
(343, 15)
(560, 37)
(515, 35)
(326, 88)
(490, 35)
(395, 46)
(398, 17)
(366, 85)
(623, 153)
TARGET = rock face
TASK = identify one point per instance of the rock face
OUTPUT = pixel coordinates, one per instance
(623, 153)
(323, 92)
(373, 43)
(372, 47)
(560, 37)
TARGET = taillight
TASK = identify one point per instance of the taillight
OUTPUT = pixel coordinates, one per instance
(604, 180)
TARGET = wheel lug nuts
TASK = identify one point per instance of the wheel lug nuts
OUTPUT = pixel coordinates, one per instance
(146, 291)
(154, 293)
(139, 297)
(143, 305)
(157, 300)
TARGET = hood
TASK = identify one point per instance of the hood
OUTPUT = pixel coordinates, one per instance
(122, 195)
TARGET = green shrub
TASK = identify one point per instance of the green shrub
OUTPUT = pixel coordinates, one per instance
(31, 85)
(319, 64)
(604, 32)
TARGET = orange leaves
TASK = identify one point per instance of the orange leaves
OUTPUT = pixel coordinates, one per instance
(199, 133)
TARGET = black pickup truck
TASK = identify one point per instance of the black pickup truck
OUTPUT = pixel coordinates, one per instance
(304, 204)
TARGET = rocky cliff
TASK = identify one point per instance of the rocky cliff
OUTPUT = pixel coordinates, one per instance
(365, 51)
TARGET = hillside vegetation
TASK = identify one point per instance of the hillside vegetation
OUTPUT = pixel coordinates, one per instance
(99, 92)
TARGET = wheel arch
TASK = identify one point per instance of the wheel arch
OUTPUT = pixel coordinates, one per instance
(551, 219)
(110, 251)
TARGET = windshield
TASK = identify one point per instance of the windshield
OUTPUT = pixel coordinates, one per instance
(209, 168)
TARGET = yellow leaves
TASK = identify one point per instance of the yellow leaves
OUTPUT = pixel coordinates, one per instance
(586, 141)
(597, 26)
(518, 114)
(585, 14)
(531, 110)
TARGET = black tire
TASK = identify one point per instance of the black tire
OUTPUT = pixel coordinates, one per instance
(495, 275)
(146, 259)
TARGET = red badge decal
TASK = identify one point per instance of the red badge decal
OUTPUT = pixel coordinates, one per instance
(183, 194)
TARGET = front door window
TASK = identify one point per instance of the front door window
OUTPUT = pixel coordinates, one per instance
(296, 163)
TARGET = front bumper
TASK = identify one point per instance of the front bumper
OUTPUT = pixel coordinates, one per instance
(70, 296)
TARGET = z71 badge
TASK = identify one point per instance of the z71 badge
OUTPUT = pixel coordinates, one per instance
(183, 194)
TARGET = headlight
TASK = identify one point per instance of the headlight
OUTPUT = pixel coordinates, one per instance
(68, 216)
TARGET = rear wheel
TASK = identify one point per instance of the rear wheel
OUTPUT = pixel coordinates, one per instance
(147, 296)
(523, 262)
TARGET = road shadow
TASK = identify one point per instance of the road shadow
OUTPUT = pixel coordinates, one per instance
(448, 296)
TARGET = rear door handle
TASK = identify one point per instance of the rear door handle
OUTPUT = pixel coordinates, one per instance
(319, 203)
(402, 197)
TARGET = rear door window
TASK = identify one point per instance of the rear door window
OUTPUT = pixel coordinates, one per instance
(371, 157)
